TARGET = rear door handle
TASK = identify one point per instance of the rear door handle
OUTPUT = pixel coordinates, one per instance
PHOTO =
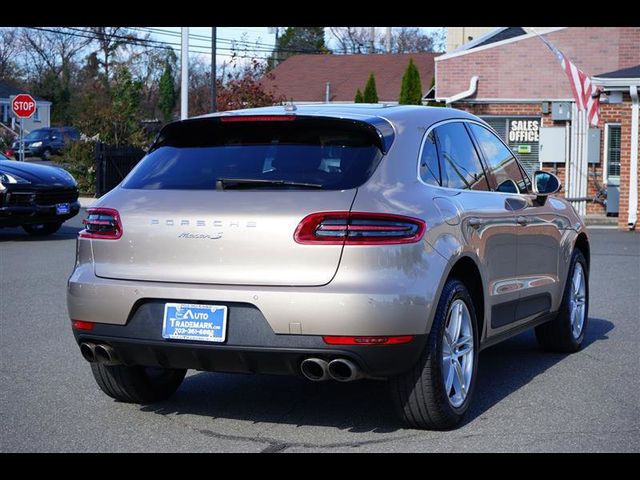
(523, 220)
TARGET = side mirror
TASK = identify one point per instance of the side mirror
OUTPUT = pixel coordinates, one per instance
(544, 184)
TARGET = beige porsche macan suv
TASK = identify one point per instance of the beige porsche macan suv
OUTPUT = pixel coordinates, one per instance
(334, 242)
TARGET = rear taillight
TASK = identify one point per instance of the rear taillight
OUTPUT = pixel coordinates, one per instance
(81, 325)
(396, 340)
(358, 228)
(102, 223)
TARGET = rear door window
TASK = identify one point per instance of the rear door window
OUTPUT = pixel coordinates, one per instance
(331, 154)
(460, 165)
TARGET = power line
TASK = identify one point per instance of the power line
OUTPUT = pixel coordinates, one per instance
(257, 46)
(144, 42)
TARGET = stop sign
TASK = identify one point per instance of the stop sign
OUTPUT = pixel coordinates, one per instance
(23, 105)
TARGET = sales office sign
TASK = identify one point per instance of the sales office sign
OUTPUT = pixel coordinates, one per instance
(524, 131)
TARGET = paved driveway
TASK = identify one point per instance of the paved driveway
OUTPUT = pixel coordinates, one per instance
(526, 400)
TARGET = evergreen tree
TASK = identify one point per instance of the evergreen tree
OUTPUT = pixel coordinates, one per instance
(167, 92)
(411, 89)
(125, 99)
(370, 93)
(359, 98)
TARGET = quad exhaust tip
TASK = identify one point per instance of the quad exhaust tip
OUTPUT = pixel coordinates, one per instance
(344, 370)
(99, 353)
(315, 369)
(340, 369)
(88, 351)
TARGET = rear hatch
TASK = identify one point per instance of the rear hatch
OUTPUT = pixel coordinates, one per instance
(218, 200)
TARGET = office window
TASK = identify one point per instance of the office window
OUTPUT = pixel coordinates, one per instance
(614, 133)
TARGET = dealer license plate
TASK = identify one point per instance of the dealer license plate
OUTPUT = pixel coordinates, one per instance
(187, 321)
(63, 208)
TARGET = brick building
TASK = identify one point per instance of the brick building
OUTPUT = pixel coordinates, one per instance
(518, 86)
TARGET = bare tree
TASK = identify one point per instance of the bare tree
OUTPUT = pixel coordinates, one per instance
(351, 39)
(9, 49)
(409, 40)
(51, 50)
(403, 40)
(110, 40)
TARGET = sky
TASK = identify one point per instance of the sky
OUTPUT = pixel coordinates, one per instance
(258, 40)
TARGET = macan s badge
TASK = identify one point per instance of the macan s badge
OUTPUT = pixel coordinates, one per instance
(170, 222)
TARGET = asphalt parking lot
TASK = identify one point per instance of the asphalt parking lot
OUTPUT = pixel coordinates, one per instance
(526, 399)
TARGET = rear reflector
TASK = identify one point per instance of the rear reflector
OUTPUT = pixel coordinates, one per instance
(80, 325)
(258, 118)
(358, 228)
(102, 223)
(368, 340)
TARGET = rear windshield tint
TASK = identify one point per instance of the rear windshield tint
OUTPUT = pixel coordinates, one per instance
(332, 154)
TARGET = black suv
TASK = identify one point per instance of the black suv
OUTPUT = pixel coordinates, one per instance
(45, 141)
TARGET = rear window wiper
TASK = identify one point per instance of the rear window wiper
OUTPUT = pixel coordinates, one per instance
(226, 183)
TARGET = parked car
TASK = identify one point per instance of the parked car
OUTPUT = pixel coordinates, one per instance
(330, 242)
(38, 198)
(44, 142)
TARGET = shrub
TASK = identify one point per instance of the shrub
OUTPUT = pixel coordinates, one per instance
(370, 93)
(79, 160)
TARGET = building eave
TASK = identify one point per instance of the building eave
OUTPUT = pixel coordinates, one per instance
(617, 83)
(447, 56)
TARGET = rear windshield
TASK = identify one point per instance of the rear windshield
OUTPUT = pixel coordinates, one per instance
(331, 154)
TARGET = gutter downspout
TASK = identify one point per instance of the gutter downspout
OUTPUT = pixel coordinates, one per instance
(473, 86)
(633, 164)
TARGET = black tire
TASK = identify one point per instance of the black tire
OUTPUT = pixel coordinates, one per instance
(46, 154)
(557, 335)
(419, 394)
(42, 229)
(137, 384)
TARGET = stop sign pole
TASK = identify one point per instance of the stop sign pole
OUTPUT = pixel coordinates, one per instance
(23, 106)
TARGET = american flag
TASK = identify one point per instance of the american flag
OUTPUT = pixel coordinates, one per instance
(585, 93)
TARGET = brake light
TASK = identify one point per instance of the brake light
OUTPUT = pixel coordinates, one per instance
(82, 325)
(102, 223)
(358, 228)
(330, 340)
(258, 118)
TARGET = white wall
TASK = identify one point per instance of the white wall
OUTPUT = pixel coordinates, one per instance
(41, 119)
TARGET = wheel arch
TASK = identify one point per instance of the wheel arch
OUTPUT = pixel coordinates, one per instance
(465, 268)
(582, 244)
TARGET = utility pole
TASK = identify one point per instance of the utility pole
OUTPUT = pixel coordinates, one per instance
(213, 68)
(388, 40)
(184, 75)
(372, 38)
(276, 52)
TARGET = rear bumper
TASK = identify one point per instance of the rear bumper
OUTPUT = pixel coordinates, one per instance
(251, 346)
(16, 215)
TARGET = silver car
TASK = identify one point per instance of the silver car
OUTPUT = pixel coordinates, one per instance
(334, 242)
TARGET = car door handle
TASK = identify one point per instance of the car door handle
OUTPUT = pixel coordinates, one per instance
(523, 220)
(476, 222)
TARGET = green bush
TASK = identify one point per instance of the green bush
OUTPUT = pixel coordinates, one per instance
(79, 161)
